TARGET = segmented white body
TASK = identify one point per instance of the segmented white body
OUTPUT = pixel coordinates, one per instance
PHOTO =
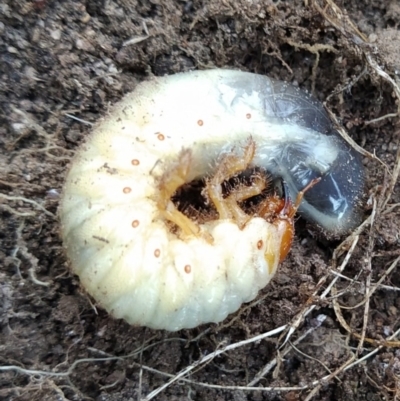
(122, 249)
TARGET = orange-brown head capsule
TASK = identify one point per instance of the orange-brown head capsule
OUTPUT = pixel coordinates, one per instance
(280, 212)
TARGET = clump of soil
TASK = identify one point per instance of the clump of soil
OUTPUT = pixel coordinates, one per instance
(332, 312)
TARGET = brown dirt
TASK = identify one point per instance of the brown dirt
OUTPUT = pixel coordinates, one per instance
(71, 58)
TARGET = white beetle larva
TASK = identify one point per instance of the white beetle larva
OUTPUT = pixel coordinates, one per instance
(147, 263)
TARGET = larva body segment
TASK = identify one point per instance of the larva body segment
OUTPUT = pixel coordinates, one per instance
(117, 238)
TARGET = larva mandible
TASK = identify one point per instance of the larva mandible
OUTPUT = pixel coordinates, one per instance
(116, 211)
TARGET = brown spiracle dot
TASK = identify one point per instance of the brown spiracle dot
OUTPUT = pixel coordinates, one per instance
(157, 253)
(200, 123)
(248, 116)
(260, 244)
(160, 136)
(188, 269)
(135, 162)
(135, 223)
(127, 190)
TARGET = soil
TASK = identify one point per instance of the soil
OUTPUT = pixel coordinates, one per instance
(62, 64)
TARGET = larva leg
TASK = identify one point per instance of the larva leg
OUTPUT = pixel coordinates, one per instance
(240, 195)
(232, 164)
(173, 179)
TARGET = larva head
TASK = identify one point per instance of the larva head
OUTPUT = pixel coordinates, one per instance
(285, 226)
(280, 212)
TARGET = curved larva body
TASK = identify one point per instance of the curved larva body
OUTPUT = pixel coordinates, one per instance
(123, 250)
